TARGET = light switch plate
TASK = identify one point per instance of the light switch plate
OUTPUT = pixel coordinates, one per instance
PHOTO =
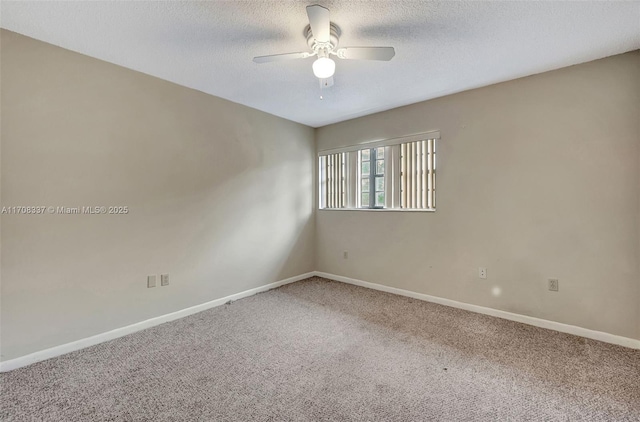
(151, 281)
(164, 280)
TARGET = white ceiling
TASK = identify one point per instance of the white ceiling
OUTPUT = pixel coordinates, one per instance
(441, 47)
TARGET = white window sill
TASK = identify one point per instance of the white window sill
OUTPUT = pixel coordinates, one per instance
(377, 209)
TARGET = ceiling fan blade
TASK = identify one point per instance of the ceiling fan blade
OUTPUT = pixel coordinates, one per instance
(326, 83)
(319, 21)
(281, 57)
(366, 53)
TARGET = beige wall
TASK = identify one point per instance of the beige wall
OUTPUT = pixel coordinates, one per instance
(219, 196)
(537, 178)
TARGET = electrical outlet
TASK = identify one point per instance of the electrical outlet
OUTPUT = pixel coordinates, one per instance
(164, 280)
(482, 272)
(345, 255)
(151, 281)
(554, 284)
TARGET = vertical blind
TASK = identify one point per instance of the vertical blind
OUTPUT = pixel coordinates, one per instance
(418, 174)
(335, 176)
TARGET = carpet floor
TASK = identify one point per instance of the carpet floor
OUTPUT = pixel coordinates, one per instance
(318, 350)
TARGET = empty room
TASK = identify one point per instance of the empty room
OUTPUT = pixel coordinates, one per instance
(314, 210)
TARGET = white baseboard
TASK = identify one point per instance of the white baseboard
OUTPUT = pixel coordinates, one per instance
(52, 352)
(41, 355)
(542, 323)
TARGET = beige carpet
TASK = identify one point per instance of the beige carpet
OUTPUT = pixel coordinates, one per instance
(323, 351)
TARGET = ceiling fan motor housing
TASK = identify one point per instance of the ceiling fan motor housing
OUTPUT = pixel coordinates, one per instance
(334, 36)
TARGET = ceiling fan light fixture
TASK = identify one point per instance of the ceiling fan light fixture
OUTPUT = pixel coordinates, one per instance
(324, 68)
(322, 38)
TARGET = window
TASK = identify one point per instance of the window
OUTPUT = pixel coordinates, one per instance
(397, 174)
(371, 164)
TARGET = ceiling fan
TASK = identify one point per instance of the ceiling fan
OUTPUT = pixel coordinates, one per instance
(322, 37)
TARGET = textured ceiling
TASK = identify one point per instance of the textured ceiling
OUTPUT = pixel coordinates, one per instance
(441, 47)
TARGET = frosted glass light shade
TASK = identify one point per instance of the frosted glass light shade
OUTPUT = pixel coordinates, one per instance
(324, 68)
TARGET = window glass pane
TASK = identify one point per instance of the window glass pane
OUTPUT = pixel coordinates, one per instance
(365, 185)
(365, 155)
(379, 167)
(379, 184)
(365, 200)
(366, 168)
(380, 152)
(380, 199)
